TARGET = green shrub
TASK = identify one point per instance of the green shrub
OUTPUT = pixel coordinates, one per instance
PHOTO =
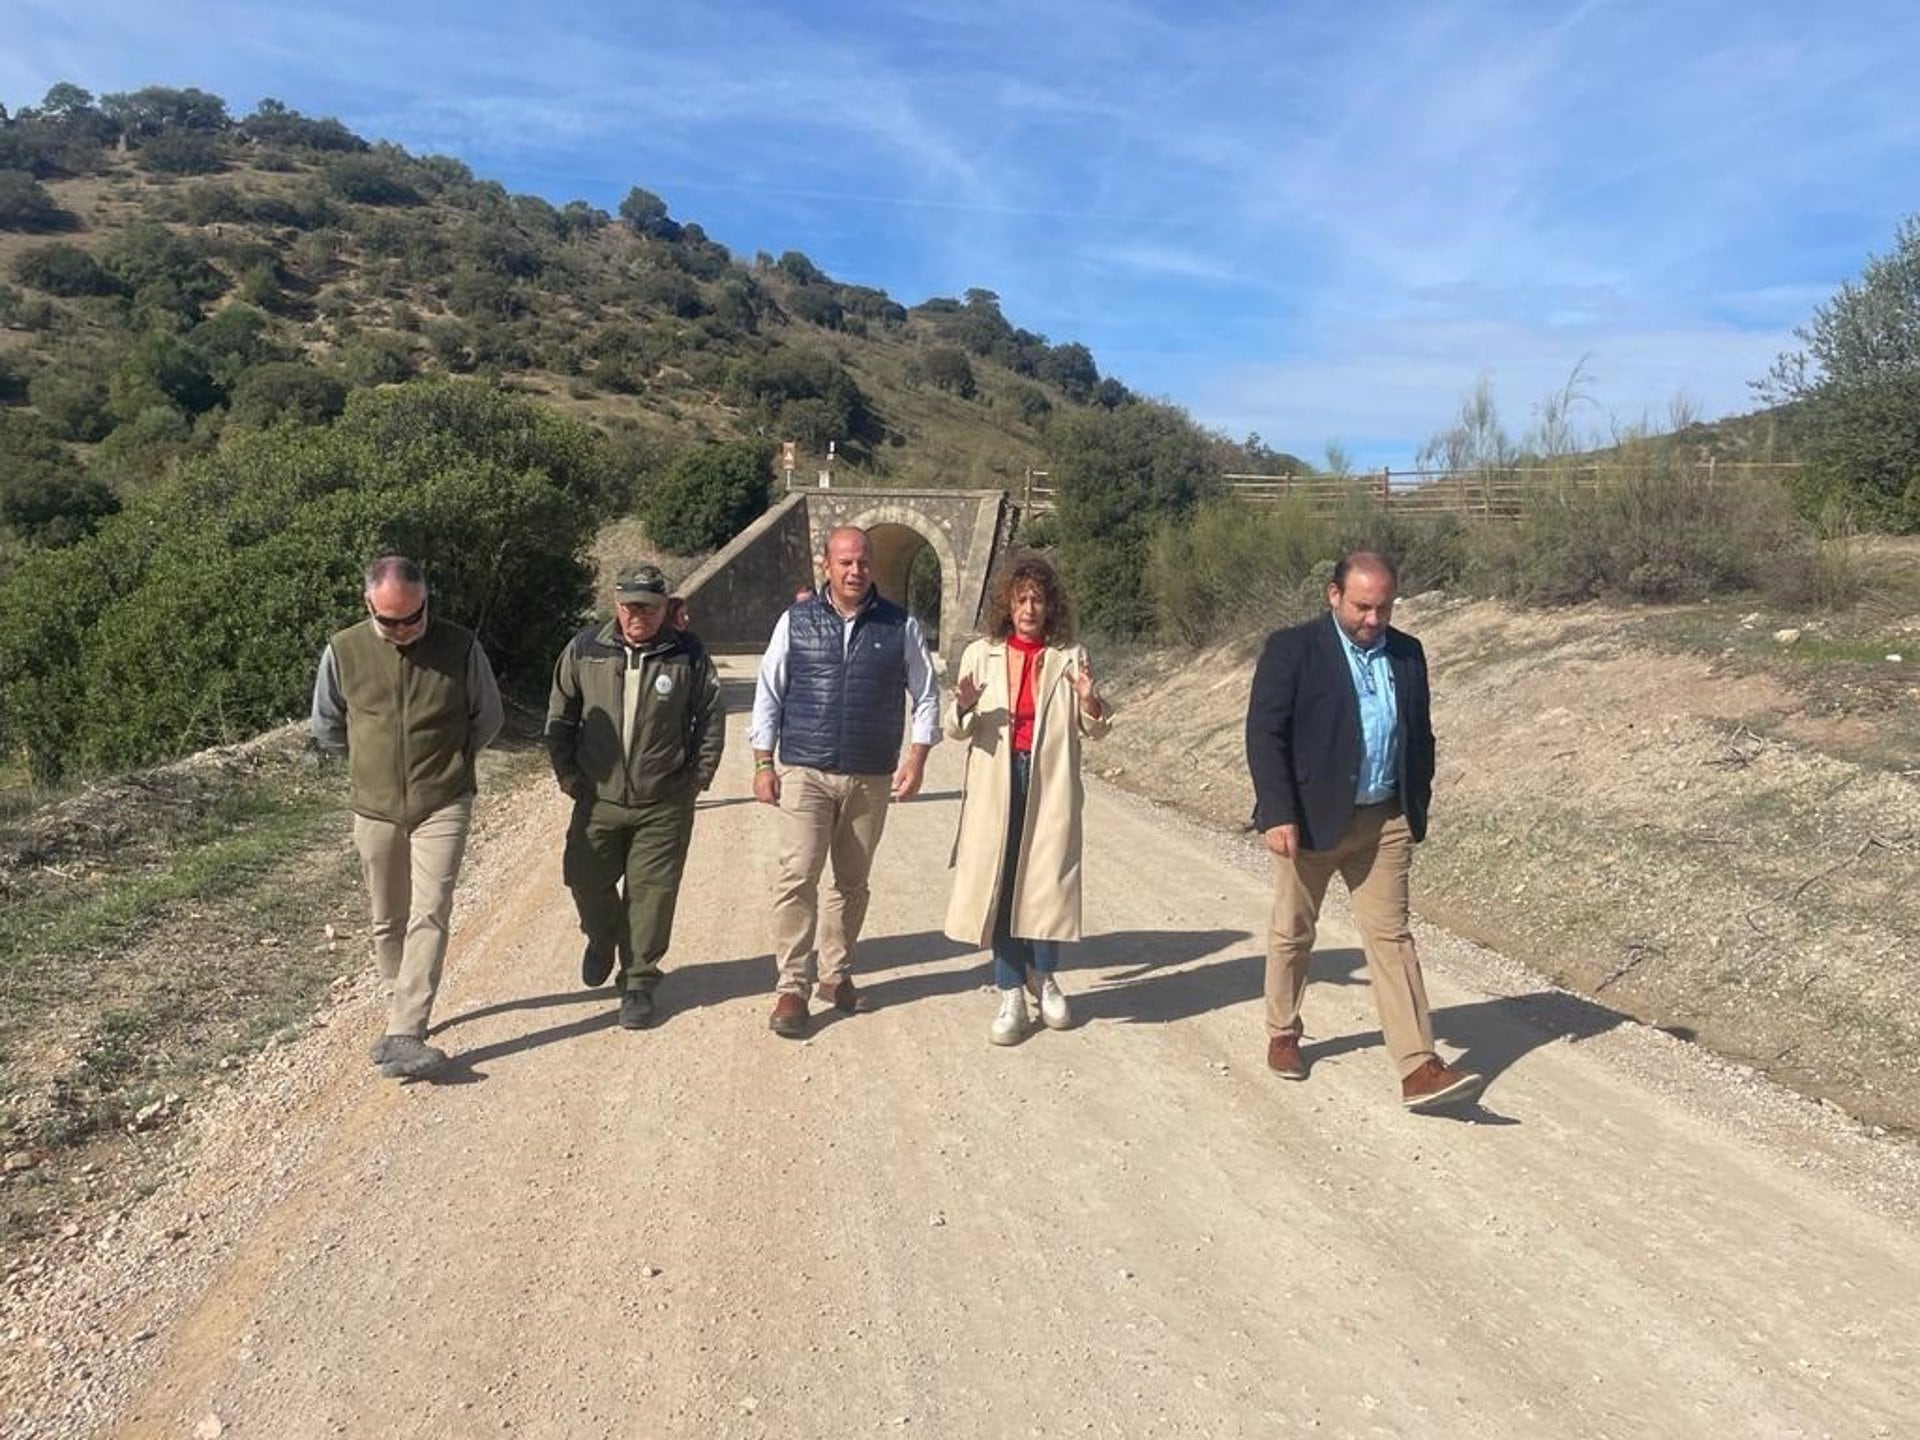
(180, 152)
(26, 204)
(1236, 567)
(13, 379)
(949, 369)
(286, 390)
(1655, 528)
(196, 615)
(380, 358)
(64, 270)
(72, 397)
(708, 496)
(371, 179)
(1120, 475)
(169, 274)
(46, 498)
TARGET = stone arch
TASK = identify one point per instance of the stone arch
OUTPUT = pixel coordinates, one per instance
(891, 555)
(739, 594)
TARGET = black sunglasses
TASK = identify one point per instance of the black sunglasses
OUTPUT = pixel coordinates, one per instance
(397, 622)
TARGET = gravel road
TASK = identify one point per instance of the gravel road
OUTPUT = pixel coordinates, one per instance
(1126, 1229)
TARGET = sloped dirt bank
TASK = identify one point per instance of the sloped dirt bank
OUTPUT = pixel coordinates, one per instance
(1675, 835)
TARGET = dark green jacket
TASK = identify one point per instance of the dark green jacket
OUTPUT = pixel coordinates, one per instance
(679, 722)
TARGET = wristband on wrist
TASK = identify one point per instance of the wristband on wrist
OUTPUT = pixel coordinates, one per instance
(760, 765)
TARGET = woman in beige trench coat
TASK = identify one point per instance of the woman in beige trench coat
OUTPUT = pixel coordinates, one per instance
(1023, 697)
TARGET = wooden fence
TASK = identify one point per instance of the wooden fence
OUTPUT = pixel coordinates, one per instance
(1498, 494)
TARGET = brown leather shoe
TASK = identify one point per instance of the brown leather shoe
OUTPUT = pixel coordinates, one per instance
(844, 997)
(1436, 1085)
(1284, 1058)
(789, 1016)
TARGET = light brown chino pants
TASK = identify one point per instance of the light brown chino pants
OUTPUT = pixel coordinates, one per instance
(409, 876)
(1374, 857)
(824, 817)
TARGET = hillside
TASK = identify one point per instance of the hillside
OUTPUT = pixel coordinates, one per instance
(163, 265)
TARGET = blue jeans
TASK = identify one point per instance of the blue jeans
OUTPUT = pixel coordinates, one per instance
(1013, 956)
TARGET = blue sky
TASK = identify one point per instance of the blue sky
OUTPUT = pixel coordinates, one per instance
(1317, 221)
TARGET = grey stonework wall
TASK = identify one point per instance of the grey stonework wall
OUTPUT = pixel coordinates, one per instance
(737, 595)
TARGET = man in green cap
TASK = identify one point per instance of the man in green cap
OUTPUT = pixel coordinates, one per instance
(635, 729)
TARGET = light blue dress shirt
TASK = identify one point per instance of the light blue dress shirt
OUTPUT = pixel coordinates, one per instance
(1379, 717)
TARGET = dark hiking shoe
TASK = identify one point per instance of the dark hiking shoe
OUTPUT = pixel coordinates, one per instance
(594, 968)
(377, 1053)
(408, 1056)
(636, 1010)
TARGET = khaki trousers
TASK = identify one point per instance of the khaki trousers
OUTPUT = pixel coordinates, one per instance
(1374, 858)
(824, 817)
(409, 876)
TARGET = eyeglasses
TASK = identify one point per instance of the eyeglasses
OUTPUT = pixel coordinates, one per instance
(398, 622)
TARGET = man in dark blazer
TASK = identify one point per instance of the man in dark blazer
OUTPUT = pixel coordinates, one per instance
(1340, 747)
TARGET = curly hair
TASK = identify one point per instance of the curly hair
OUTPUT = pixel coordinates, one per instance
(1027, 568)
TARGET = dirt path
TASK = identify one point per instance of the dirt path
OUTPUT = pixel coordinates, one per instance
(1126, 1229)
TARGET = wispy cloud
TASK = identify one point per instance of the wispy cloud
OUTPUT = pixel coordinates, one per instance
(1317, 220)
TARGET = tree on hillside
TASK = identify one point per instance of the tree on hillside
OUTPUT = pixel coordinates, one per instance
(286, 390)
(62, 269)
(646, 214)
(949, 369)
(181, 152)
(45, 497)
(1070, 367)
(63, 100)
(26, 204)
(799, 269)
(374, 178)
(141, 113)
(275, 124)
(1119, 474)
(1853, 383)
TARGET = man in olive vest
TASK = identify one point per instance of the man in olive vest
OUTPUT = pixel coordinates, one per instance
(635, 730)
(411, 699)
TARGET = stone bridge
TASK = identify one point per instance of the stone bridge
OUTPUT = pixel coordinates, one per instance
(737, 595)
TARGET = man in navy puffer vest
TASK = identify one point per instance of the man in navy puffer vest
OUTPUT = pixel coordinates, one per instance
(828, 702)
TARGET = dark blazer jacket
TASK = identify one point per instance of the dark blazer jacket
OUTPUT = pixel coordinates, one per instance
(1303, 733)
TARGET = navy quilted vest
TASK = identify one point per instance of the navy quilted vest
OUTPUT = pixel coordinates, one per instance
(844, 701)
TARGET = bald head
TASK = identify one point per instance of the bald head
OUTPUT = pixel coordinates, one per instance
(848, 561)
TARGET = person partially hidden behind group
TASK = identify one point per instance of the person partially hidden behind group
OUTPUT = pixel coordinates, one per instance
(1340, 748)
(1024, 696)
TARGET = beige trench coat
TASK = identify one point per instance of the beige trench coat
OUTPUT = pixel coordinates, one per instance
(1046, 896)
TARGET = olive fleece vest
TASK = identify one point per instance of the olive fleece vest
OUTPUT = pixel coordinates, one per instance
(409, 720)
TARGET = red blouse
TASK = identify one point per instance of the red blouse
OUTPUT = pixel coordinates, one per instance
(1023, 693)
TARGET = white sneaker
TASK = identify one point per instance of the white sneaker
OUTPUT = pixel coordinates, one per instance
(1010, 1025)
(1053, 1005)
